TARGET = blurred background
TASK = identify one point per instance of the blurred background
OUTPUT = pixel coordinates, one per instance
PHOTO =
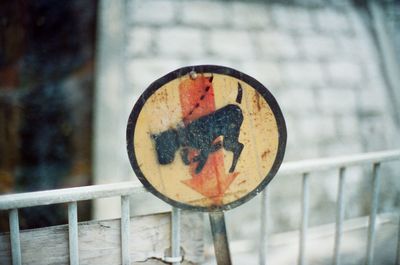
(70, 72)
(47, 56)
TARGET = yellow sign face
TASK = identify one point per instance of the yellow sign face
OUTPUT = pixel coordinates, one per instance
(206, 138)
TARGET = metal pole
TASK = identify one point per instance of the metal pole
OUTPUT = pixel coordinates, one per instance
(176, 236)
(264, 227)
(14, 237)
(304, 220)
(221, 244)
(372, 217)
(339, 216)
(73, 233)
(398, 245)
(125, 231)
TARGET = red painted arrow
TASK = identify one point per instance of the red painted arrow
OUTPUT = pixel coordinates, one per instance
(197, 100)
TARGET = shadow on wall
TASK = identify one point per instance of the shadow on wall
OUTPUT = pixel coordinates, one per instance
(46, 83)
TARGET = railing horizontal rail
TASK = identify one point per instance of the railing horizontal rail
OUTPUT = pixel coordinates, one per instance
(315, 233)
(29, 199)
(307, 166)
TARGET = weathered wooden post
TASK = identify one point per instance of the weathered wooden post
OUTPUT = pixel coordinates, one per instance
(206, 138)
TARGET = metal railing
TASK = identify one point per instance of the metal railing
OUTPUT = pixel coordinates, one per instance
(72, 195)
(304, 168)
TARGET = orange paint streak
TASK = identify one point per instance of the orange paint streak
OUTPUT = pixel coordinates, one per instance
(197, 100)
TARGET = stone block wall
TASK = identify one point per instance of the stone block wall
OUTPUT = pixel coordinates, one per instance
(318, 58)
(320, 62)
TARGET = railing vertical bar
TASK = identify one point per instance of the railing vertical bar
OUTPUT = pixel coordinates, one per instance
(264, 227)
(176, 235)
(125, 231)
(398, 245)
(304, 220)
(14, 237)
(73, 233)
(339, 216)
(372, 217)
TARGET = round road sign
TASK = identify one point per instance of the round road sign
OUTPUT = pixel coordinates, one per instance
(206, 138)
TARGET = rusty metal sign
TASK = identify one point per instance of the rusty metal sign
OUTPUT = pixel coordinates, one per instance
(206, 138)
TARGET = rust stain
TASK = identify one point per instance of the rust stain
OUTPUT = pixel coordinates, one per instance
(257, 101)
(242, 182)
(265, 154)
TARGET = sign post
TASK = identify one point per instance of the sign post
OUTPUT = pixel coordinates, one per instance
(220, 238)
(206, 138)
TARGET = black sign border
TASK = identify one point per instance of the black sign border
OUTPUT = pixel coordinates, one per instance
(207, 69)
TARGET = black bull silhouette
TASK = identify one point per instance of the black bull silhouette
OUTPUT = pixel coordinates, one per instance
(201, 134)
